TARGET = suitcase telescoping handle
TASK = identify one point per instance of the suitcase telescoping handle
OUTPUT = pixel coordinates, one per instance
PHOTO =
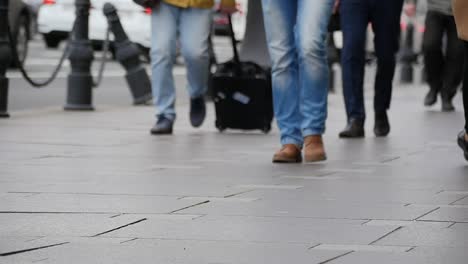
(234, 44)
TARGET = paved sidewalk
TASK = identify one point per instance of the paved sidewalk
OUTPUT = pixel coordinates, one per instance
(97, 188)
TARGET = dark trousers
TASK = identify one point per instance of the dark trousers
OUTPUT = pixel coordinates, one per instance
(384, 15)
(444, 68)
(465, 87)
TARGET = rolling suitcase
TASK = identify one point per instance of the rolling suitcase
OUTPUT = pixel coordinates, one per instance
(242, 94)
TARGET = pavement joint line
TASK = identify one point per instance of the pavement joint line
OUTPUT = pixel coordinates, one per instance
(45, 212)
(190, 206)
(117, 215)
(30, 249)
(130, 240)
(34, 239)
(391, 159)
(442, 221)
(464, 197)
(452, 224)
(366, 222)
(238, 193)
(39, 260)
(411, 249)
(337, 257)
(314, 246)
(386, 235)
(431, 211)
(120, 227)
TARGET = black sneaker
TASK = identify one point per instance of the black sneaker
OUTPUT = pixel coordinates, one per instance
(463, 144)
(354, 129)
(163, 126)
(197, 111)
(382, 126)
(447, 105)
(431, 97)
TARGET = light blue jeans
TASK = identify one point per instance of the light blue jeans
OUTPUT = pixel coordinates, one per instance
(192, 27)
(296, 32)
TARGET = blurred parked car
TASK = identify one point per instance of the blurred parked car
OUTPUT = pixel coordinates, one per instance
(20, 19)
(56, 17)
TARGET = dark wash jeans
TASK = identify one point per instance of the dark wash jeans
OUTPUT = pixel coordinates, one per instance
(384, 15)
(444, 68)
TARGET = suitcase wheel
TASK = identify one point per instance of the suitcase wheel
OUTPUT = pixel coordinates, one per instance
(220, 127)
(266, 129)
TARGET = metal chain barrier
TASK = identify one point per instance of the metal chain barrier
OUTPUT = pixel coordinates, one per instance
(35, 83)
(105, 51)
(38, 84)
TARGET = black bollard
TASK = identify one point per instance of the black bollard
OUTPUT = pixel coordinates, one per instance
(408, 56)
(5, 58)
(128, 54)
(80, 80)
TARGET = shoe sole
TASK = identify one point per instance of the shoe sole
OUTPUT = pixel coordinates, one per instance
(160, 133)
(462, 146)
(315, 159)
(382, 135)
(352, 136)
(285, 161)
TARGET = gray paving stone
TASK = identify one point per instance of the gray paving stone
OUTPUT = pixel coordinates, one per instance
(452, 214)
(60, 225)
(91, 203)
(178, 252)
(107, 169)
(325, 209)
(350, 192)
(252, 230)
(426, 236)
(11, 244)
(416, 256)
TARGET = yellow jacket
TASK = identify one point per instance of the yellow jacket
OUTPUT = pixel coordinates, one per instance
(199, 3)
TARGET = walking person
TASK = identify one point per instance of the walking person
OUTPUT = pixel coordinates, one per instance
(460, 10)
(296, 33)
(190, 21)
(444, 68)
(384, 16)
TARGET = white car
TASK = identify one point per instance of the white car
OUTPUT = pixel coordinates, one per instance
(56, 17)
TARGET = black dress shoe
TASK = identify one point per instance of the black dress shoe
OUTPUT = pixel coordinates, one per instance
(197, 111)
(162, 127)
(382, 126)
(463, 144)
(354, 129)
(447, 105)
(431, 97)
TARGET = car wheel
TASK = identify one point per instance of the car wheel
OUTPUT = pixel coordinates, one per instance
(51, 41)
(21, 39)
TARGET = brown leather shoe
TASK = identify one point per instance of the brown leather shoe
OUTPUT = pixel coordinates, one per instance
(289, 153)
(314, 149)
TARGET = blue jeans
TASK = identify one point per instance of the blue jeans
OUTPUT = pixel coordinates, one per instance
(192, 27)
(384, 15)
(296, 33)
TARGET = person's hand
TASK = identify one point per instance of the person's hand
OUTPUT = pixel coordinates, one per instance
(410, 9)
(227, 8)
(336, 6)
